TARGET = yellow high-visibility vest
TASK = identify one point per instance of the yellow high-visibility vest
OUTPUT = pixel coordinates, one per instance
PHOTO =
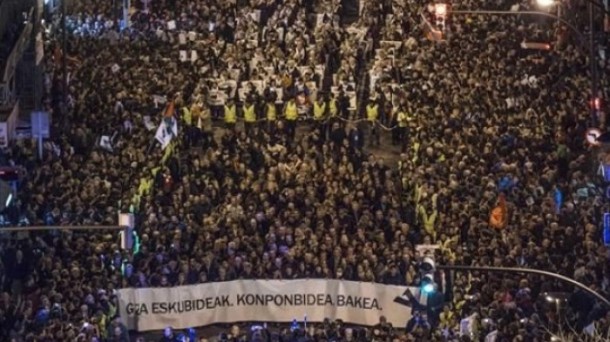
(318, 110)
(372, 112)
(332, 108)
(186, 116)
(291, 111)
(271, 112)
(230, 114)
(402, 119)
(145, 186)
(249, 114)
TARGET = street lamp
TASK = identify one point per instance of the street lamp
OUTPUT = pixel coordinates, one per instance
(545, 3)
(440, 10)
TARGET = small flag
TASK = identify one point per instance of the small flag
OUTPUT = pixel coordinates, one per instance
(499, 215)
(170, 110)
(106, 143)
(168, 128)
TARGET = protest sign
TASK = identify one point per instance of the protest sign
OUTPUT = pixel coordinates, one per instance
(262, 300)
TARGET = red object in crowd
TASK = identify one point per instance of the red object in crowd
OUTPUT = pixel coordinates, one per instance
(499, 215)
(168, 183)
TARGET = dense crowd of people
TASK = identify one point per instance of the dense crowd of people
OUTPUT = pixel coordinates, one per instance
(278, 106)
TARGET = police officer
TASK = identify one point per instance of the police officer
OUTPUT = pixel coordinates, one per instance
(249, 111)
(271, 115)
(230, 114)
(291, 114)
(319, 114)
(401, 125)
(333, 112)
(372, 114)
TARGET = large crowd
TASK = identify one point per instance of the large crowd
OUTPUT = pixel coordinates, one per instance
(271, 175)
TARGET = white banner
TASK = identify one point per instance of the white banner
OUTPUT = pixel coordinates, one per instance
(263, 301)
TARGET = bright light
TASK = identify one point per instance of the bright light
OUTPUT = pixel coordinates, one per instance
(550, 299)
(440, 10)
(8, 200)
(428, 288)
(545, 3)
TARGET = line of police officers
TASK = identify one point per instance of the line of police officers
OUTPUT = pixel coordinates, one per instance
(267, 116)
(399, 118)
(323, 112)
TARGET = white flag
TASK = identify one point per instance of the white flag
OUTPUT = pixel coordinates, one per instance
(106, 143)
(165, 133)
